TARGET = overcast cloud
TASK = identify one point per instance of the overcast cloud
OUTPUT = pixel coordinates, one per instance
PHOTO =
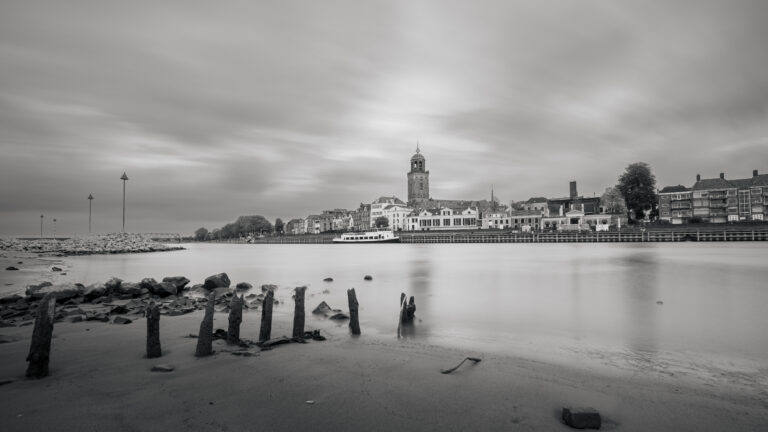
(286, 108)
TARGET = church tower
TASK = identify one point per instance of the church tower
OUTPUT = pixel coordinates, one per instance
(418, 181)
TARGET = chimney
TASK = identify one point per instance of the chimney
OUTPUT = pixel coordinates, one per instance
(574, 194)
(722, 176)
(754, 173)
(698, 177)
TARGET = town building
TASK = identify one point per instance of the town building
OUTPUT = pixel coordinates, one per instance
(442, 219)
(397, 215)
(525, 221)
(560, 206)
(418, 180)
(675, 205)
(361, 218)
(719, 200)
(378, 206)
(295, 227)
(578, 220)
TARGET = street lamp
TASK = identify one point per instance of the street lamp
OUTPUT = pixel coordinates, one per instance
(54, 228)
(124, 178)
(41, 226)
(90, 207)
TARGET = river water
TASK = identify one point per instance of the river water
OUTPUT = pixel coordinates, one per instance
(669, 308)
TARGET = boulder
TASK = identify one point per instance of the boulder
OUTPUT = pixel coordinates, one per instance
(34, 288)
(113, 284)
(322, 309)
(179, 281)
(165, 289)
(148, 284)
(129, 289)
(582, 418)
(220, 280)
(243, 286)
(62, 292)
(368, 277)
(96, 316)
(94, 291)
(11, 268)
(340, 316)
(121, 320)
(11, 299)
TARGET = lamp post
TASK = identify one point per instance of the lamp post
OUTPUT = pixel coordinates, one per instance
(54, 228)
(41, 226)
(124, 178)
(90, 207)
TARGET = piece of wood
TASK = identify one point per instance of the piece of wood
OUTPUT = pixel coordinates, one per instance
(205, 337)
(354, 323)
(298, 313)
(265, 332)
(40, 348)
(153, 331)
(472, 359)
(235, 319)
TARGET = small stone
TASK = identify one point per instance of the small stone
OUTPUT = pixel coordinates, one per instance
(368, 277)
(56, 269)
(659, 302)
(310, 402)
(340, 317)
(163, 368)
(322, 308)
(328, 279)
(582, 418)
(121, 320)
(243, 286)
(11, 268)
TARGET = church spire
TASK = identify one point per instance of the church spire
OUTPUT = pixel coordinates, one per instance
(418, 150)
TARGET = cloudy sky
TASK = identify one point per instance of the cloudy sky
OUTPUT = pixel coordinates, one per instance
(285, 108)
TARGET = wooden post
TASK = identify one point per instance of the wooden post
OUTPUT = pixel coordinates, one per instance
(265, 333)
(235, 318)
(354, 323)
(410, 310)
(298, 313)
(205, 337)
(40, 348)
(153, 331)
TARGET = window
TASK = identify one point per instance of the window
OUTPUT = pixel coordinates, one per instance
(456, 221)
(446, 222)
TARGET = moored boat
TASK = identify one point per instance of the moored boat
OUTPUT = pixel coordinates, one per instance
(368, 237)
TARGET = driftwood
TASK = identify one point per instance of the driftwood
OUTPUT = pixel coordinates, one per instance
(298, 313)
(205, 338)
(266, 316)
(354, 323)
(472, 359)
(153, 331)
(235, 318)
(40, 348)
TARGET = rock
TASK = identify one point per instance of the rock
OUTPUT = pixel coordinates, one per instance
(148, 284)
(314, 335)
(33, 288)
(328, 279)
(129, 289)
(11, 268)
(163, 368)
(94, 291)
(368, 277)
(220, 280)
(268, 287)
(322, 309)
(96, 316)
(76, 318)
(179, 281)
(325, 291)
(121, 320)
(269, 343)
(222, 292)
(582, 418)
(165, 289)
(56, 269)
(62, 292)
(243, 286)
(340, 316)
(119, 310)
(11, 299)
(113, 284)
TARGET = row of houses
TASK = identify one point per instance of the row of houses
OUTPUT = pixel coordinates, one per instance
(716, 200)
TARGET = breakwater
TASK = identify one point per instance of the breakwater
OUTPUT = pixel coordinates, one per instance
(629, 236)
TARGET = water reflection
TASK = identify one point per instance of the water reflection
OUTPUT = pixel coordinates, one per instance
(419, 293)
(640, 294)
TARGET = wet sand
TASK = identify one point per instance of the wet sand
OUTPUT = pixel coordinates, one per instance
(33, 269)
(101, 381)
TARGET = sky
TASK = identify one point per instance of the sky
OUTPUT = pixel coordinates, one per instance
(286, 108)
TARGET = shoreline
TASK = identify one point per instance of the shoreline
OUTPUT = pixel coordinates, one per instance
(368, 382)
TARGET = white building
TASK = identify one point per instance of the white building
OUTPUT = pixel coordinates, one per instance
(397, 215)
(443, 219)
(576, 220)
(378, 206)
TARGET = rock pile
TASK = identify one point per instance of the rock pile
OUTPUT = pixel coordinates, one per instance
(89, 245)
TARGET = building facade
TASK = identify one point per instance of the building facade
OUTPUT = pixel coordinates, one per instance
(560, 206)
(418, 180)
(378, 206)
(443, 219)
(675, 204)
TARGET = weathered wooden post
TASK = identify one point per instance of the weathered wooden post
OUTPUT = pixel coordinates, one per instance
(235, 318)
(265, 333)
(354, 323)
(298, 313)
(40, 348)
(153, 331)
(205, 337)
(410, 310)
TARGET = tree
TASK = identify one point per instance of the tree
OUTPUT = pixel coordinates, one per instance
(612, 201)
(201, 234)
(381, 222)
(638, 187)
(279, 226)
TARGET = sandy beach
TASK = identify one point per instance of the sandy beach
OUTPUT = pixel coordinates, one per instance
(100, 380)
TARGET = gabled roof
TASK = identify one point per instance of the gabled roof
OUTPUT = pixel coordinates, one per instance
(536, 200)
(671, 189)
(713, 183)
(391, 200)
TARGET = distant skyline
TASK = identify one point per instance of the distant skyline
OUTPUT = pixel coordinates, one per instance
(221, 109)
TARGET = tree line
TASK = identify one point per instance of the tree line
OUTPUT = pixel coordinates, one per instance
(244, 226)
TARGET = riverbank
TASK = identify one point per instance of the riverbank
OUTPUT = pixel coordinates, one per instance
(88, 245)
(344, 384)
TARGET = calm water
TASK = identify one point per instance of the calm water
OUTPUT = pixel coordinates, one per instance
(578, 301)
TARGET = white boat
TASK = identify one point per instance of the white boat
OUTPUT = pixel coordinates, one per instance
(368, 237)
